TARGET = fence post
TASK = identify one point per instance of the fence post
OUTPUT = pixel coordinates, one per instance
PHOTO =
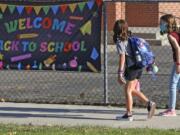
(106, 96)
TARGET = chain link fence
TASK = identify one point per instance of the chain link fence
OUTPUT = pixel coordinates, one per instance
(88, 88)
(134, 12)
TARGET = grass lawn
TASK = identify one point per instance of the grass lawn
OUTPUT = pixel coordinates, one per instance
(56, 130)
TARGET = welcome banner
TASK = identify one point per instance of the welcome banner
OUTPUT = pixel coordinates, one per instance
(51, 37)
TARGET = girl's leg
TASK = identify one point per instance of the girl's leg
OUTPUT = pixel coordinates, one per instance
(151, 106)
(129, 101)
(173, 82)
(140, 95)
(130, 86)
(174, 79)
(178, 87)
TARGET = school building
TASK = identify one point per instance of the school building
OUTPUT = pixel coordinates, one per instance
(142, 18)
(140, 14)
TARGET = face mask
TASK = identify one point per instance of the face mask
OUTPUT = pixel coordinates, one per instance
(163, 28)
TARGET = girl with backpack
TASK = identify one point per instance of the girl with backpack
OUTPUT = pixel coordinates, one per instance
(168, 26)
(128, 73)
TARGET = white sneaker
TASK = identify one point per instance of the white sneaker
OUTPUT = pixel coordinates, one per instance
(125, 117)
(151, 107)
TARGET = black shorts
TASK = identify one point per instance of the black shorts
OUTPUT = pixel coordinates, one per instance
(133, 73)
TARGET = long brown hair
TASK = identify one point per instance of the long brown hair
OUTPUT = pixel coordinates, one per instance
(171, 22)
(120, 30)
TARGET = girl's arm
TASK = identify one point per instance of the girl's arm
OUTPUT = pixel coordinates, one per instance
(177, 51)
(121, 62)
(121, 69)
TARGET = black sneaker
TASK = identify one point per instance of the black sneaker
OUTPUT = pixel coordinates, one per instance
(151, 107)
(125, 117)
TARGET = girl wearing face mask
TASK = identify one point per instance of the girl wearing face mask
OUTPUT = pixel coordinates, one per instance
(168, 26)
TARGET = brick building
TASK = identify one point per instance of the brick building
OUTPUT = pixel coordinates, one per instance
(140, 14)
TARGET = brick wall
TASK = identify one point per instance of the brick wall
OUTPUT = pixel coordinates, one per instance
(120, 10)
(111, 14)
(142, 14)
(170, 8)
(115, 10)
(147, 12)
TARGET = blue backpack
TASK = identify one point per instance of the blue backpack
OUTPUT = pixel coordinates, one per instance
(144, 57)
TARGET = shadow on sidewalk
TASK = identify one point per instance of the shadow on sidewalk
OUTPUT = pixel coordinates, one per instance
(50, 110)
(21, 112)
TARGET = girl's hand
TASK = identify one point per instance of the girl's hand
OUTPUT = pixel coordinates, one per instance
(121, 79)
(177, 69)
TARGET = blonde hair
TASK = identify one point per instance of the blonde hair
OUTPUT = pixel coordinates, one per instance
(171, 22)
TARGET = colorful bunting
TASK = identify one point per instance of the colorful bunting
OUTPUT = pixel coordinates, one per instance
(72, 7)
(63, 8)
(11, 8)
(29, 9)
(3, 7)
(37, 9)
(55, 9)
(90, 4)
(20, 9)
(99, 2)
(81, 5)
(46, 9)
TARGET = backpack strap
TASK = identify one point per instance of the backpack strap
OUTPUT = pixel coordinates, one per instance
(133, 47)
(130, 60)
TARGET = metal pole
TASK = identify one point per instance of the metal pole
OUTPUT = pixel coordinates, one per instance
(106, 96)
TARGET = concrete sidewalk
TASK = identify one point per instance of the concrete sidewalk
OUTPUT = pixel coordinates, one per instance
(76, 115)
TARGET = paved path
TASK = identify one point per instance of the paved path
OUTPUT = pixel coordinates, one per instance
(75, 115)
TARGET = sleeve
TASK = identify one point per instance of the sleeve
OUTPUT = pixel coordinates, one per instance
(120, 48)
(176, 36)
